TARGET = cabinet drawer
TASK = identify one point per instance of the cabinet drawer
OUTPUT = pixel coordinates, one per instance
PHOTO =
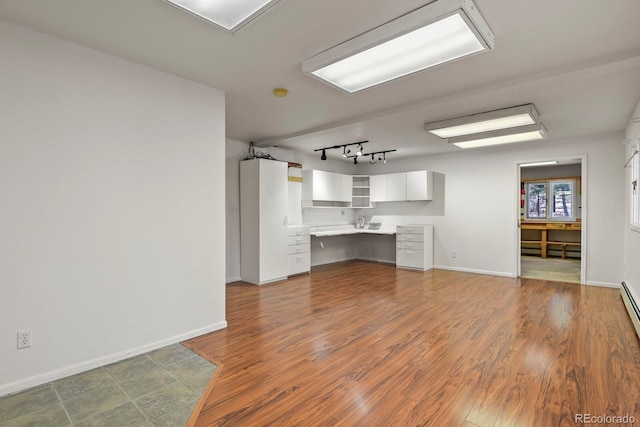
(409, 229)
(299, 249)
(409, 245)
(297, 240)
(411, 258)
(299, 263)
(295, 230)
(409, 237)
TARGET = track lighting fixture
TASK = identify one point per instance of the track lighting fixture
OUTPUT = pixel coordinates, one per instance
(382, 156)
(345, 150)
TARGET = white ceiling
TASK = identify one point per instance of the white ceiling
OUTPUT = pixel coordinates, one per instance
(578, 61)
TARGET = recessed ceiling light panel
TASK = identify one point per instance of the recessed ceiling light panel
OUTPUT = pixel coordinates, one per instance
(528, 165)
(437, 33)
(228, 14)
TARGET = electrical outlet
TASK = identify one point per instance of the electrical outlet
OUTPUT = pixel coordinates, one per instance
(454, 253)
(24, 339)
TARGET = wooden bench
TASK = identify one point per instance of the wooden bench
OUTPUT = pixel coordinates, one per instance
(564, 245)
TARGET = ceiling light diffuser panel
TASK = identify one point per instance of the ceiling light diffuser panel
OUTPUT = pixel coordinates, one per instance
(437, 33)
(504, 118)
(502, 136)
(228, 14)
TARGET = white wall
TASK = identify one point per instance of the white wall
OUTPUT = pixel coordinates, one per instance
(235, 151)
(481, 199)
(546, 172)
(111, 222)
(632, 238)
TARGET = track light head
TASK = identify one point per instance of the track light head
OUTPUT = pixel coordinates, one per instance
(384, 157)
(345, 152)
(355, 160)
(324, 155)
(372, 160)
(359, 152)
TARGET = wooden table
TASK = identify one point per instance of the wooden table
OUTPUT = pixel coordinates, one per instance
(544, 227)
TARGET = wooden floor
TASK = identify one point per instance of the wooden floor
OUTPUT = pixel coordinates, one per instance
(365, 344)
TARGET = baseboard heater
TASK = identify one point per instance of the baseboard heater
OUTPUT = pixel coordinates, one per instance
(632, 307)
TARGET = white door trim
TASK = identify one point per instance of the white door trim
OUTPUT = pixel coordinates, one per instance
(585, 212)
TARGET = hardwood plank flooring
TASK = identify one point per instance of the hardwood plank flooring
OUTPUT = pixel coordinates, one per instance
(361, 343)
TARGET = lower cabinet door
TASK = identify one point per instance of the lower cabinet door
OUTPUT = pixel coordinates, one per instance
(410, 258)
(299, 263)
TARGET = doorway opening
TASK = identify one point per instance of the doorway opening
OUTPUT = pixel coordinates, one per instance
(551, 219)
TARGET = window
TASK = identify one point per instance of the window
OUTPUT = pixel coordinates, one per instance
(536, 200)
(551, 199)
(562, 199)
(635, 198)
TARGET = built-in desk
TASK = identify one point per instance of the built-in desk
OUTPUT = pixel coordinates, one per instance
(413, 247)
(544, 241)
(340, 230)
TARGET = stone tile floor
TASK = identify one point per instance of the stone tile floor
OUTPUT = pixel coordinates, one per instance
(160, 388)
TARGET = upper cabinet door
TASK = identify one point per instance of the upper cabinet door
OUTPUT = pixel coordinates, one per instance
(326, 186)
(346, 188)
(397, 187)
(378, 188)
(419, 185)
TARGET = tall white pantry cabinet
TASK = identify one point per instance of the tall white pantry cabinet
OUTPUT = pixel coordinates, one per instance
(263, 221)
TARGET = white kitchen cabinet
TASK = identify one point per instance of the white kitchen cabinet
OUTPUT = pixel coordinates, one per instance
(414, 247)
(360, 192)
(325, 186)
(299, 252)
(378, 188)
(419, 185)
(397, 187)
(263, 221)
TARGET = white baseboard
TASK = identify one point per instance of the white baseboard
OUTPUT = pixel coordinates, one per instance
(472, 270)
(603, 284)
(233, 279)
(57, 374)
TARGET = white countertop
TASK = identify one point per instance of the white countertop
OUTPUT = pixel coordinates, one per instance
(339, 230)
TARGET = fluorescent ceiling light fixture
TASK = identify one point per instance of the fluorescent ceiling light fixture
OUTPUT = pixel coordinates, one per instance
(434, 34)
(505, 118)
(528, 165)
(502, 136)
(228, 14)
